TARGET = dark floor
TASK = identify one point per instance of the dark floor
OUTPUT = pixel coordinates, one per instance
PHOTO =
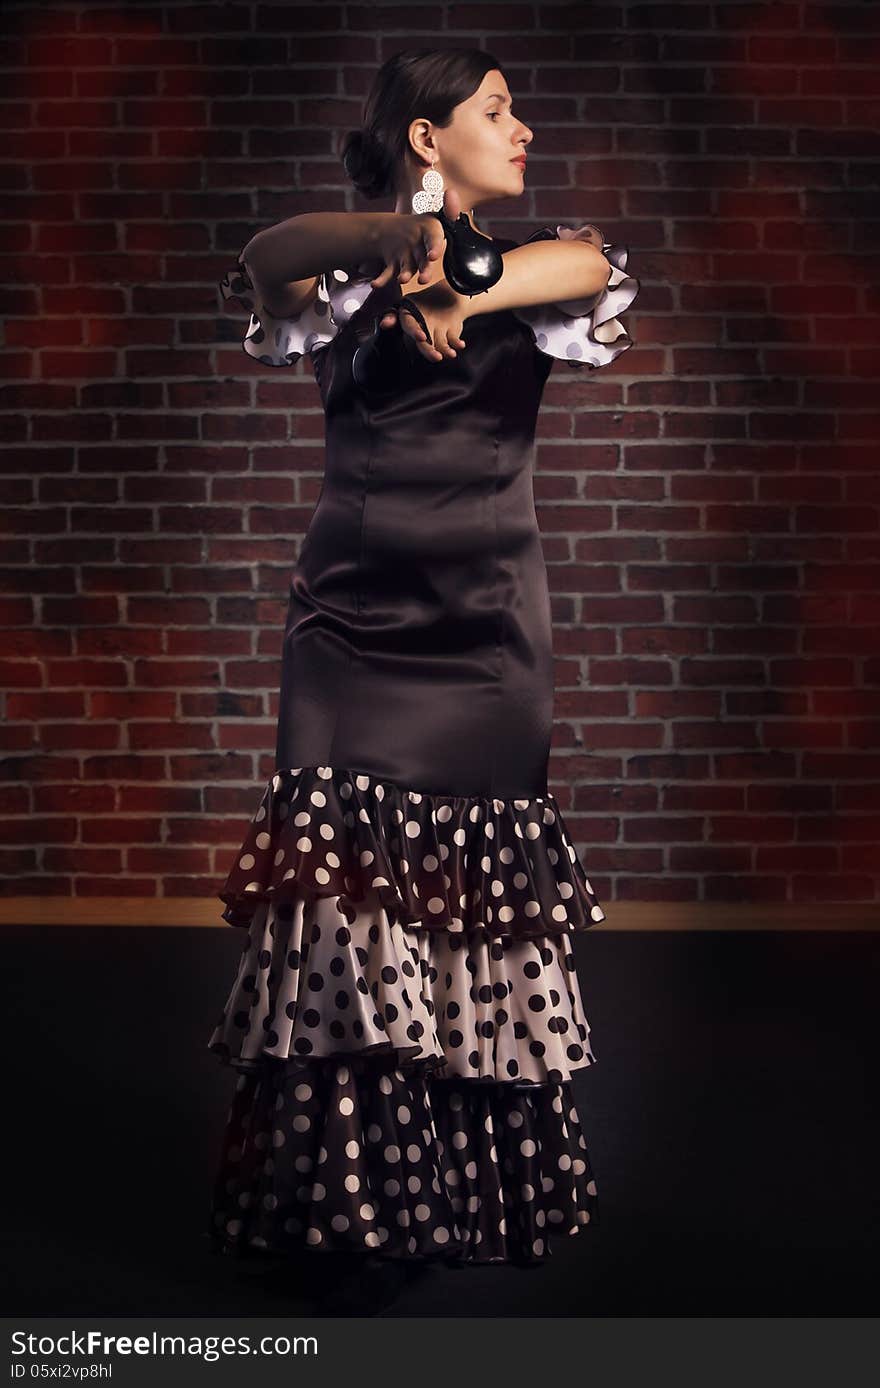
(732, 1122)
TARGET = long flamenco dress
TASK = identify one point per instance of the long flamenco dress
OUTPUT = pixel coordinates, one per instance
(406, 1015)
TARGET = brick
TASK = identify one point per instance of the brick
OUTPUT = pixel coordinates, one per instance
(21, 675)
(82, 859)
(40, 884)
(203, 830)
(39, 579)
(244, 550)
(79, 610)
(80, 737)
(168, 611)
(164, 489)
(247, 611)
(37, 768)
(77, 426)
(249, 489)
(52, 830)
(191, 519)
(172, 736)
(86, 673)
(89, 885)
(174, 860)
(111, 518)
(14, 800)
(123, 767)
(207, 458)
(172, 800)
(15, 611)
(210, 580)
(124, 641)
(16, 737)
(68, 550)
(211, 641)
(162, 673)
(222, 704)
(122, 579)
(49, 704)
(271, 519)
(13, 862)
(132, 458)
(246, 734)
(210, 768)
(17, 490)
(74, 798)
(131, 704)
(251, 673)
(17, 551)
(203, 887)
(160, 550)
(121, 830)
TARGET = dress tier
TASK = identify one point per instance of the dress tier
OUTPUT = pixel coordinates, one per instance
(406, 1015)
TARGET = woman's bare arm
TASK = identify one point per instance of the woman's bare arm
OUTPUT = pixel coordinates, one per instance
(285, 261)
(543, 272)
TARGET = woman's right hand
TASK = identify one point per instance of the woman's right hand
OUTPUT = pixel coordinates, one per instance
(408, 243)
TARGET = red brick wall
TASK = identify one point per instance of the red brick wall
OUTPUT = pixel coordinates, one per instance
(709, 504)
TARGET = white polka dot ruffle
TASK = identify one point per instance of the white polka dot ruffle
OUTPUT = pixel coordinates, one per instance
(319, 978)
(584, 332)
(275, 341)
(455, 863)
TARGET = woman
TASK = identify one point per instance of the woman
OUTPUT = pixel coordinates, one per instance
(407, 1015)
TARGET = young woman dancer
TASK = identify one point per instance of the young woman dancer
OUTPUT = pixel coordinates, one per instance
(407, 1014)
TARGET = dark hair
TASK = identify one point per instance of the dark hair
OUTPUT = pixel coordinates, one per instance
(415, 82)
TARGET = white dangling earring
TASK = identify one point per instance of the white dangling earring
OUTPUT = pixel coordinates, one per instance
(430, 197)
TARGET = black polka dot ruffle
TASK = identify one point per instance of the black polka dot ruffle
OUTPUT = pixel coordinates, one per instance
(455, 863)
(358, 1153)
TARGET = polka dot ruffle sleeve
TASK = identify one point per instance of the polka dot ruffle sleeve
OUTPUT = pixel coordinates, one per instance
(584, 332)
(275, 341)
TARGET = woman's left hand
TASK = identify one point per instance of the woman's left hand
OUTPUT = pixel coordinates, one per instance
(444, 312)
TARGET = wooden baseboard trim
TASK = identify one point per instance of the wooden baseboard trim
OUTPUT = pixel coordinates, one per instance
(623, 915)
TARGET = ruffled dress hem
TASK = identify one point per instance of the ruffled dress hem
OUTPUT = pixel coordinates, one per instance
(321, 979)
(404, 1025)
(359, 1157)
(453, 863)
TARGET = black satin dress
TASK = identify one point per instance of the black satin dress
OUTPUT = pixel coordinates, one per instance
(420, 598)
(406, 1014)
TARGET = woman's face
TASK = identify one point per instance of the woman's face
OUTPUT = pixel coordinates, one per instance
(475, 153)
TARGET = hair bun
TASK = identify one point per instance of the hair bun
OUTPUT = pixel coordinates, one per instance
(366, 163)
